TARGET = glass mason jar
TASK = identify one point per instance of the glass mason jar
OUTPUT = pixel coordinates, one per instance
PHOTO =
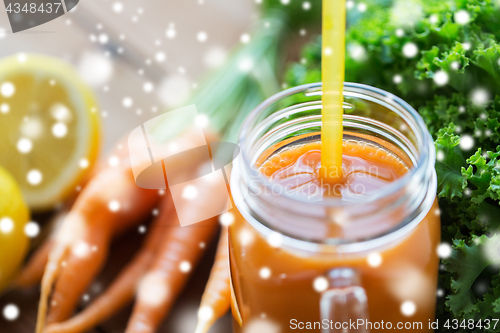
(379, 269)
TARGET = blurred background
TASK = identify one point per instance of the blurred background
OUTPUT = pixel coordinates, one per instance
(141, 57)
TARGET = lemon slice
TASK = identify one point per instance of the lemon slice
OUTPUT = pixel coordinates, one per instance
(49, 127)
(13, 217)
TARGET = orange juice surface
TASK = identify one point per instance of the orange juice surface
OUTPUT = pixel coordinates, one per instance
(276, 288)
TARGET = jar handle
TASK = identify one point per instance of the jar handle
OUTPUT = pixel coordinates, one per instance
(344, 303)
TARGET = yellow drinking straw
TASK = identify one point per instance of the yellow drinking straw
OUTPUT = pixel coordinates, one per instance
(332, 73)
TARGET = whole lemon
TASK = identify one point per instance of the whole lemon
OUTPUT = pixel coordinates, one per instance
(14, 215)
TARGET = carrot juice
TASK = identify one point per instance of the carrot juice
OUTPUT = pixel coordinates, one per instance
(314, 255)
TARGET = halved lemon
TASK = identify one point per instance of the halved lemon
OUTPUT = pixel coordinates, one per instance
(49, 127)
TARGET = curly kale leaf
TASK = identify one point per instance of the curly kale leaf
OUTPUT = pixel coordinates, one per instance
(449, 164)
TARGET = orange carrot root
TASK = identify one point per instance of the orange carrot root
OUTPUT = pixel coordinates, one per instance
(110, 202)
(168, 275)
(216, 299)
(123, 288)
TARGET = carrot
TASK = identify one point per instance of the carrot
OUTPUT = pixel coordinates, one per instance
(167, 277)
(110, 201)
(180, 251)
(32, 272)
(216, 299)
(123, 288)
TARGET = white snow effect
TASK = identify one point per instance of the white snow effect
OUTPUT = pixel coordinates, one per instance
(444, 250)
(205, 313)
(491, 249)
(466, 142)
(7, 89)
(34, 177)
(127, 102)
(160, 57)
(153, 290)
(399, 32)
(440, 155)
(215, 57)
(81, 249)
(265, 273)
(306, 5)
(32, 127)
(202, 36)
(349, 4)
(275, 239)
(6, 225)
(142, 229)
(245, 38)
(410, 50)
(374, 259)
(22, 57)
(285, 2)
(24, 145)
(408, 308)
(202, 120)
(113, 161)
(406, 13)
(226, 219)
(245, 65)
(114, 206)
(328, 51)
(59, 130)
(462, 17)
(95, 68)
(320, 284)
(11, 312)
(261, 325)
(434, 19)
(185, 266)
(246, 237)
(148, 87)
(362, 7)
(480, 97)
(455, 65)
(357, 51)
(397, 79)
(4, 108)
(117, 7)
(32, 229)
(60, 112)
(171, 32)
(441, 78)
(103, 38)
(84, 163)
(174, 90)
(190, 192)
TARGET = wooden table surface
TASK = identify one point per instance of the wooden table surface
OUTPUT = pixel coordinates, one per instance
(182, 318)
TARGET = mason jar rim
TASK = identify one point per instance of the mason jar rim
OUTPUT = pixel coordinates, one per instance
(425, 159)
